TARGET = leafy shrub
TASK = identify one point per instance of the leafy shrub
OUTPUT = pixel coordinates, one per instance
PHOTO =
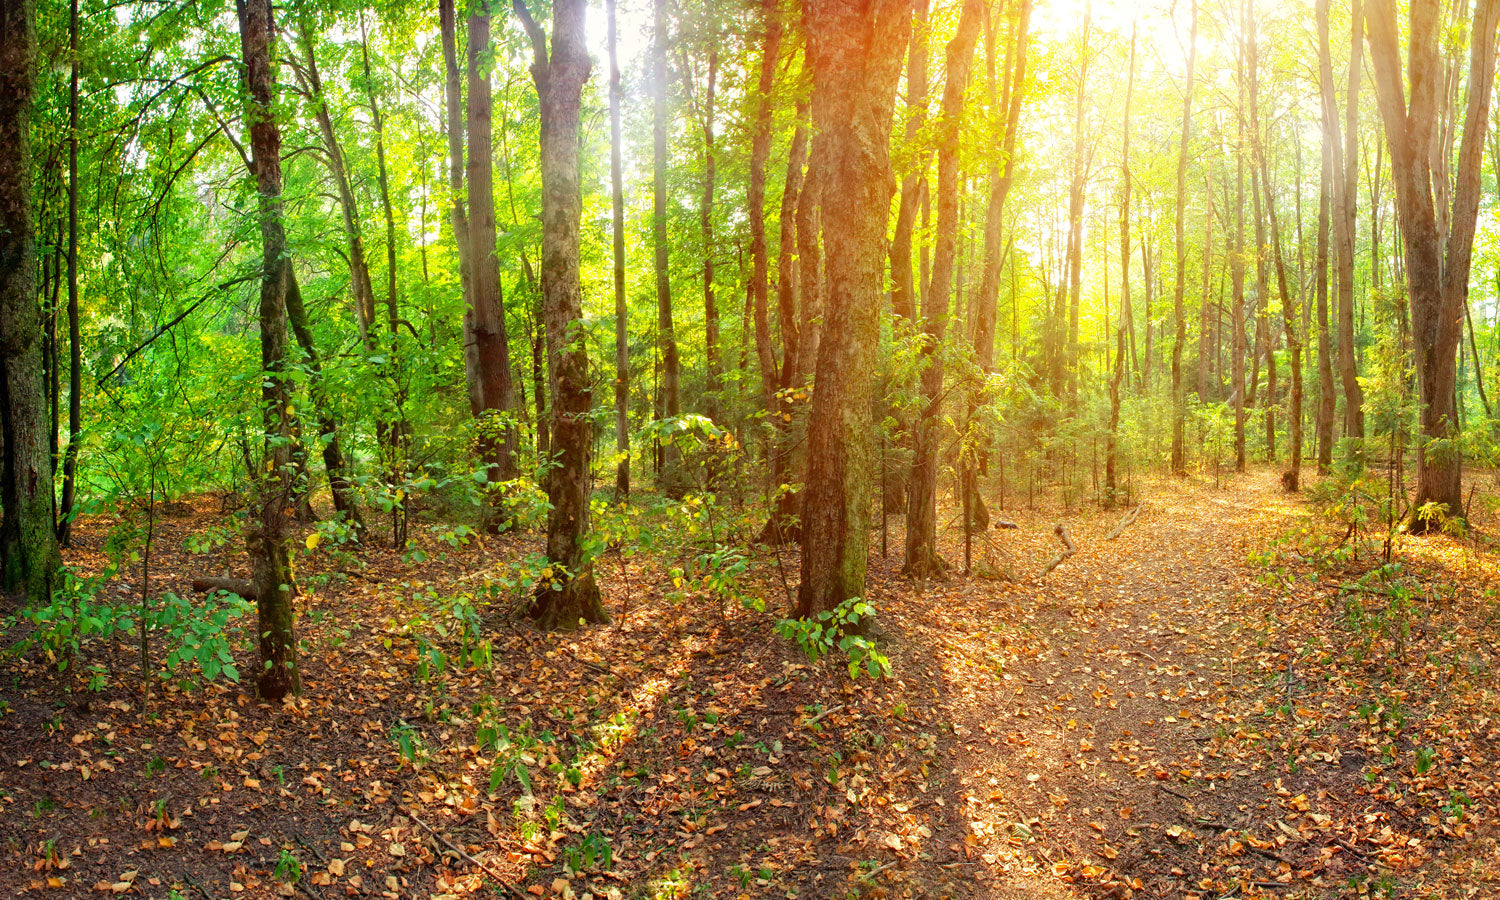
(835, 629)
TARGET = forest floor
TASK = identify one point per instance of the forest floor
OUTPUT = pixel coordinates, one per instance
(1208, 706)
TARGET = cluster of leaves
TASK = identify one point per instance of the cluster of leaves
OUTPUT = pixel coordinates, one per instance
(839, 629)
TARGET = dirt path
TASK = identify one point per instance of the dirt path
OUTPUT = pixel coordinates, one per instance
(1103, 734)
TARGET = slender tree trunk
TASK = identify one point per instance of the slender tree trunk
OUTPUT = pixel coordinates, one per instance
(1237, 283)
(268, 539)
(75, 338)
(760, 151)
(903, 287)
(922, 559)
(487, 307)
(1070, 357)
(1179, 412)
(671, 476)
(713, 385)
(29, 554)
(454, 108)
(1001, 176)
(1291, 477)
(1327, 401)
(857, 54)
(559, 84)
(339, 484)
(617, 211)
(1346, 174)
(1111, 479)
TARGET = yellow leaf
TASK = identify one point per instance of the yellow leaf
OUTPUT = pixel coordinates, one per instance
(314, 539)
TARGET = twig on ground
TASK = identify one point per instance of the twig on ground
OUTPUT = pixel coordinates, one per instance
(1069, 548)
(1126, 522)
(461, 852)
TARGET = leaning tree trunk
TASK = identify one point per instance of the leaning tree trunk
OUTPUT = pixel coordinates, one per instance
(559, 85)
(1437, 264)
(28, 537)
(268, 537)
(922, 559)
(856, 64)
(340, 485)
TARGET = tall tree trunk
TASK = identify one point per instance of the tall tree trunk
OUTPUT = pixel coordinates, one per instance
(1070, 357)
(1265, 329)
(857, 48)
(459, 216)
(781, 526)
(559, 84)
(1001, 175)
(268, 538)
(1346, 174)
(496, 391)
(1326, 399)
(29, 554)
(75, 337)
(1437, 260)
(1111, 478)
(1291, 477)
(922, 559)
(1179, 402)
(670, 477)
(713, 382)
(617, 212)
(903, 287)
(760, 151)
(1237, 281)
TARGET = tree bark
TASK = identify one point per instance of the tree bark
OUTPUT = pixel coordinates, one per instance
(857, 46)
(1237, 280)
(496, 390)
(1292, 475)
(903, 287)
(267, 541)
(29, 553)
(1326, 399)
(1437, 260)
(1346, 174)
(559, 83)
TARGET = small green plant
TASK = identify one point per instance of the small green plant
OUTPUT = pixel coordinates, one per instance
(838, 629)
(593, 853)
(408, 741)
(1426, 759)
(288, 867)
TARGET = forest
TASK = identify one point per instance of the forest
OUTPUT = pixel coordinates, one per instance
(759, 448)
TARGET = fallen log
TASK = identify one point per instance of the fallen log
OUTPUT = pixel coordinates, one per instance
(242, 586)
(1126, 522)
(1069, 548)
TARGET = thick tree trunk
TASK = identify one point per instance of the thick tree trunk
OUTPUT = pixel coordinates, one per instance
(617, 213)
(1437, 259)
(857, 50)
(671, 478)
(496, 390)
(1179, 400)
(267, 540)
(29, 554)
(922, 559)
(559, 84)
